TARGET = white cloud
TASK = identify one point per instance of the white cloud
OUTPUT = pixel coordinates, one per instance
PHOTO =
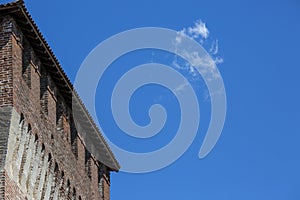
(214, 49)
(205, 64)
(175, 63)
(180, 35)
(218, 60)
(199, 29)
(192, 71)
(180, 88)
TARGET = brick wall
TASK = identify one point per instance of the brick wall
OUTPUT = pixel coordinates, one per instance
(42, 153)
(6, 84)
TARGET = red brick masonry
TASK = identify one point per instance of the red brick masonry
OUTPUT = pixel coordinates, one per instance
(43, 154)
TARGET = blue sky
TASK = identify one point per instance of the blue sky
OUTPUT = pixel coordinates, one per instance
(258, 154)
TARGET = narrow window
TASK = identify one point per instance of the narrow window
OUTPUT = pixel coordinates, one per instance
(44, 91)
(88, 162)
(59, 115)
(26, 60)
(74, 138)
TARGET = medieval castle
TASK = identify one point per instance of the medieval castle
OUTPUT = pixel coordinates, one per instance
(44, 152)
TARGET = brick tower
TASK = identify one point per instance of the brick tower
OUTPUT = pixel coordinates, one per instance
(43, 154)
